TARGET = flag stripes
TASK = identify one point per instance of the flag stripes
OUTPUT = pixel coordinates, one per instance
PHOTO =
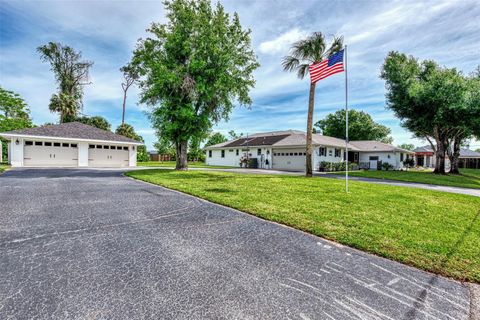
(326, 68)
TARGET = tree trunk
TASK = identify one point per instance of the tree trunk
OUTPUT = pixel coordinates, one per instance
(124, 101)
(454, 157)
(181, 157)
(440, 156)
(309, 151)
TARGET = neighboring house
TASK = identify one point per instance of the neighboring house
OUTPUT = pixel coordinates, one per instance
(155, 156)
(285, 150)
(425, 157)
(72, 144)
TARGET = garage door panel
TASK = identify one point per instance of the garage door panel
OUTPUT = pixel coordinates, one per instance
(50, 156)
(289, 159)
(101, 157)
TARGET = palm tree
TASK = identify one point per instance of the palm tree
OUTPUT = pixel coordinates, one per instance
(303, 54)
(66, 105)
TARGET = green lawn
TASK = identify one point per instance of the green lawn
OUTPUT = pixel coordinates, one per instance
(3, 167)
(434, 231)
(171, 164)
(469, 178)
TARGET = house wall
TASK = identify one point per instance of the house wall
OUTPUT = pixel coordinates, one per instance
(330, 157)
(389, 157)
(132, 156)
(231, 158)
(83, 154)
(16, 158)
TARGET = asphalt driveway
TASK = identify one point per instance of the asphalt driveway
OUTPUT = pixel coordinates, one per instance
(92, 244)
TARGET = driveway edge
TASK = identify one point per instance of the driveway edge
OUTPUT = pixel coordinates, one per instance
(474, 301)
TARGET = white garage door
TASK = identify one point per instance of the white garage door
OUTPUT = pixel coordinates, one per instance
(107, 156)
(50, 154)
(289, 159)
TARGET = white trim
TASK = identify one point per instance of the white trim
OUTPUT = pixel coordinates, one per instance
(11, 135)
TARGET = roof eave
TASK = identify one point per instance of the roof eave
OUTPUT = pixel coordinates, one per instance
(16, 135)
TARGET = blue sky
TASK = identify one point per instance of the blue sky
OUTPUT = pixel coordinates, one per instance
(106, 33)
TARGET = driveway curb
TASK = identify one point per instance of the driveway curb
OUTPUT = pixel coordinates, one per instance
(474, 301)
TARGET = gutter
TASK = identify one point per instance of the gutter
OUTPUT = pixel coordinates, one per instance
(11, 135)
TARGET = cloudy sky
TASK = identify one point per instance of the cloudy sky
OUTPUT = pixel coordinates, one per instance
(106, 33)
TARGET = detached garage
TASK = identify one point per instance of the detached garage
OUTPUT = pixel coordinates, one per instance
(72, 144)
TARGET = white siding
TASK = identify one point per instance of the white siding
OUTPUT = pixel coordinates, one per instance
(231, 159)
(83, 154)
(330, 157)
(389, 157)
(16, 159)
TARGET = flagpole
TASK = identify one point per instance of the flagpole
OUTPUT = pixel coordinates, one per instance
(346, 122)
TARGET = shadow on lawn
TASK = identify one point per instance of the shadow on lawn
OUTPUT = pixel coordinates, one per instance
(421, 297)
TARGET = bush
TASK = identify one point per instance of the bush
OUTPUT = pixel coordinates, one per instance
(386, 166)
(409, 163)
(336, 166)
(142, 154)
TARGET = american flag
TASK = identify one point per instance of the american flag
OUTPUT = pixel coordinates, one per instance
(332, 65)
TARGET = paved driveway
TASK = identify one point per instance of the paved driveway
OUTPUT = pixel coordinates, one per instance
(91, 244)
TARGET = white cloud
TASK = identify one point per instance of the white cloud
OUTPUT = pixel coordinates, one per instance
(283, 42)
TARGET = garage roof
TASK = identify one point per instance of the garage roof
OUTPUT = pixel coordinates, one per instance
(71, 130)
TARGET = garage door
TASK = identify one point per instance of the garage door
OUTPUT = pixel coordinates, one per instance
(50, 154)
(289, 159)
(107, 156)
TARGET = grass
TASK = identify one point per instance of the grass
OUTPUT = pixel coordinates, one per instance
(171, 164)
(468, 178)
(3, 167)
(434, 231)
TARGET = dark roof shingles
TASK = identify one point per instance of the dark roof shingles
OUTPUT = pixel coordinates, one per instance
(74, 130)
(256, 141)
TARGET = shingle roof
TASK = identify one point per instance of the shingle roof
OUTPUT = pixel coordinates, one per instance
(73, 130)
(377, 146)
(464, 153)
(255, 141)
(290, 138)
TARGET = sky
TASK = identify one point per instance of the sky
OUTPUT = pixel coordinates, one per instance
(106, 33)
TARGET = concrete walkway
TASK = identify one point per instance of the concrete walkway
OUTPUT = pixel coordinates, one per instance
(458, 190)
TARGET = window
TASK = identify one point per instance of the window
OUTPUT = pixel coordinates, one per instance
(231, 150)
(106, 147)
(119, 147)
(338, 152)
(372, 158)
(295, 154)
(56, 144)
(291, 153)
(401, 156)
(73, 145)
(29, 143)
(237, 152)
(223, 153)
(209, 153)
(259, 152)
(125, 148)
(99, 146)
(48, 144)
(330, 153)
(388, 156)
(65, 145)
(322, 151)
(91, 146)
(38, 143)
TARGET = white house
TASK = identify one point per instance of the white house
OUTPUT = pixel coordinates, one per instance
(285, 150)
(72, 144)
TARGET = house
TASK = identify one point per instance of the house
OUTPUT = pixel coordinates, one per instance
(285, 150)
(72, 144)
(425, 157)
